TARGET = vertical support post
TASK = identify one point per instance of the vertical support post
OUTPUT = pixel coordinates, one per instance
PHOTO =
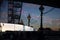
(28, 22)
(20, 11)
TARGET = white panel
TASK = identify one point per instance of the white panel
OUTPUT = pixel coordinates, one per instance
(18, 27)
(28, 28)
(15, 27)
(7, 27)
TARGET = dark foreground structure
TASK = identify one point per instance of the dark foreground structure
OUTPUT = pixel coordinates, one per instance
(30, 35)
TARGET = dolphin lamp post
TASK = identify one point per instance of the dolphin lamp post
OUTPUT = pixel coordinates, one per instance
(41, 10)
(29, 17)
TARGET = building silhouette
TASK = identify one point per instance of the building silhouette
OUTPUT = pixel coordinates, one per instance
(13, 14)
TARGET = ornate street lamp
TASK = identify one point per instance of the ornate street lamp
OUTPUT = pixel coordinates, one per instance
(29, 17)
(41, 10)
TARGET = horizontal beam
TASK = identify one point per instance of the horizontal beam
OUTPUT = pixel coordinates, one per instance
(52, 3)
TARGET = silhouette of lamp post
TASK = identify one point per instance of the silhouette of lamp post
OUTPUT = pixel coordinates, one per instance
(41, 16)
(29, 17)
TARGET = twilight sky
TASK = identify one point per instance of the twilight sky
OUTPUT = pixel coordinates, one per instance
(51, 19)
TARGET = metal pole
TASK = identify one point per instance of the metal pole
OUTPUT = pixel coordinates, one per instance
(28, 22)
(41, 20)
(21, 11)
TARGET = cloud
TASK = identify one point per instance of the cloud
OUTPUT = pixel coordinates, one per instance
(57, 20)
(47, 19)
(25, 13)
(35, 17)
